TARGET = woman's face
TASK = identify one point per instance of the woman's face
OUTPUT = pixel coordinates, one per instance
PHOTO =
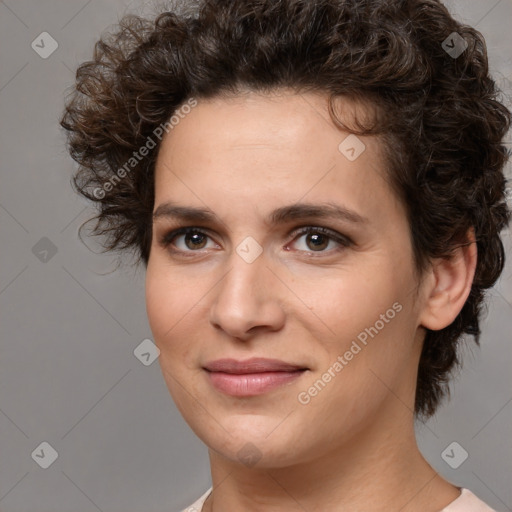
(338, 304)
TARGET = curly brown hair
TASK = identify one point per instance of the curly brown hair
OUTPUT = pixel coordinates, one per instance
(440, 114)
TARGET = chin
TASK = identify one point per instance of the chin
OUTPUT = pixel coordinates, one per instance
(252, 440)
(253, 452)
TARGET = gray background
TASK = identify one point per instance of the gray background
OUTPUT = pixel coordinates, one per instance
(69, 328)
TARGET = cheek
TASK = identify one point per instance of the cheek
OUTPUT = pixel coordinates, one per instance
(344, 302)
(158, 298)
(364, 317)
(167, 303)
(171, 321)
(174, 305)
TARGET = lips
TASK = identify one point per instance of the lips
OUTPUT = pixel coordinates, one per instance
(254, 365)
(251, 377)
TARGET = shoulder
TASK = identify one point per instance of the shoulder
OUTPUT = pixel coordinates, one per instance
(467, 502)
(198, 505)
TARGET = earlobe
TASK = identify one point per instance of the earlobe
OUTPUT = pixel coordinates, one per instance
(452, 280)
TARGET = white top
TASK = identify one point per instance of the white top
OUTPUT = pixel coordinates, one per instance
(466, 502)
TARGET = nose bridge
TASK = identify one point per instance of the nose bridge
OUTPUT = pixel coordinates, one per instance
(248, 264)
(244, 296)
(241, 289)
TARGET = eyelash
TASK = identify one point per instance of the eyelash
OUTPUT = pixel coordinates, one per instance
(344, 241)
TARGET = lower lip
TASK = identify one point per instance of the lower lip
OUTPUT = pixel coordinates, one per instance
(251, 384)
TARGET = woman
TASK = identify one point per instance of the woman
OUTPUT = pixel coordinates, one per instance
(317, 192)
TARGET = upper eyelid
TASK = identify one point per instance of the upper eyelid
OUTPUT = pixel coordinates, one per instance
(296, 232)
(209, 232)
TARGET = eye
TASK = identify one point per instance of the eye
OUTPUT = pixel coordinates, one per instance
(318, 239)
(192, 239)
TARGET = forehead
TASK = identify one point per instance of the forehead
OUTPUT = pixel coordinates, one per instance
(282, 121)
(252, 150)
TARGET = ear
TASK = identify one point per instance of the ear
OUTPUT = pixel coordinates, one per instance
(449, 285)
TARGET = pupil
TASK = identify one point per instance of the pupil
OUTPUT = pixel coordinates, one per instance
(196, 239)
(319, 241)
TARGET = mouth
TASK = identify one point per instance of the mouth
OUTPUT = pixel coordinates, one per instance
(251, 377)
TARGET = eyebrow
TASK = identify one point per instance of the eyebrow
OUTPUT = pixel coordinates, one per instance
(293, 212)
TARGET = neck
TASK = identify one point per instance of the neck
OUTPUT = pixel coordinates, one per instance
(379, 469)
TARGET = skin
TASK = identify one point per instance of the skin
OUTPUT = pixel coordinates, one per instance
(352, 447)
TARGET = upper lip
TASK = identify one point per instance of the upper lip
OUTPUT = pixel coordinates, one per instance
(253, 365)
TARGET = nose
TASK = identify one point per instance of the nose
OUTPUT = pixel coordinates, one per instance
(247, 300)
